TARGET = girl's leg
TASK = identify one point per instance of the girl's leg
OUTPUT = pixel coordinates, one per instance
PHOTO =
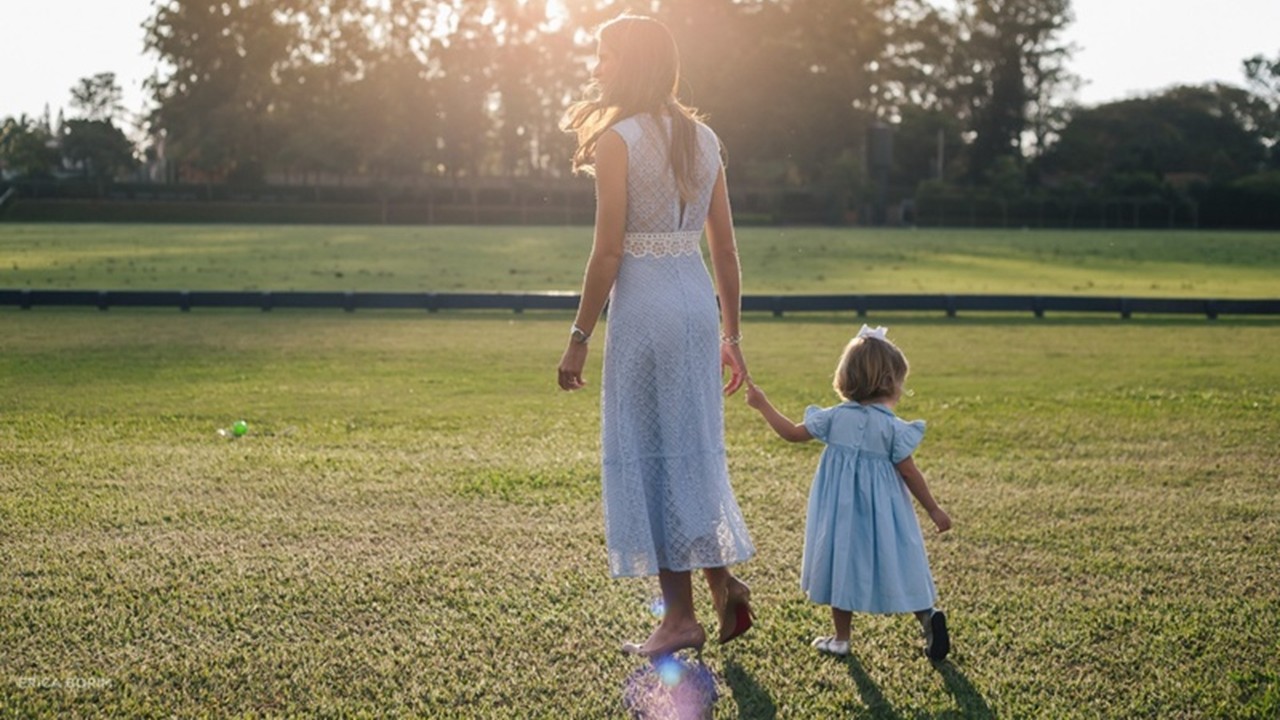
(923, 617)
(837, 644)
(937, 639)
(842, 619)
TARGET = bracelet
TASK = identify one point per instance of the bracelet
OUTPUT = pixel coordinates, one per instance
(731, 339)
(579, 335)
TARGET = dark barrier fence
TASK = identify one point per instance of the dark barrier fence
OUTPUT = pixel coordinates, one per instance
(1036, 304)
(1115, 213)
(519, 302)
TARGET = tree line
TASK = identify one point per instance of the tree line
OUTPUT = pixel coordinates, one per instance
(978, 95)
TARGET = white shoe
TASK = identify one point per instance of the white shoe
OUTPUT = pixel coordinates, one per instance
(831, 645)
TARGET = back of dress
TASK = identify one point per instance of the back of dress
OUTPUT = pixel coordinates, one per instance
(667, 500)
(653, 199)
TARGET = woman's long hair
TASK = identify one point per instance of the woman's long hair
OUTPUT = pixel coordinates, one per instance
(647, 75)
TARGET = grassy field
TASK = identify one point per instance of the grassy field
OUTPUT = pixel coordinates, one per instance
(411, 527)
(775, 260)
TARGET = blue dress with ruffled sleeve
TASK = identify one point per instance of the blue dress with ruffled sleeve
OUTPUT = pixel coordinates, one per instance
(863, 549)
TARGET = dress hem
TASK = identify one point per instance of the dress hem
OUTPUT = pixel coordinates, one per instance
(879, 609)
(690, 568)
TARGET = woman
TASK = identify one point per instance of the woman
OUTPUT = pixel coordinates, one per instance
(668, 505)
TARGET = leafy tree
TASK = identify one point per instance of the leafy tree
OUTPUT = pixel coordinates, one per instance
(398, 140)
(1182, 130)
(27, 147)
(989, 75)
(933, 113)
(923, 139)
(98, 97)
(97, 148)
(399, 89)
(531, 75)
(744, 79)
(318, 109)
(315, 104)
(791, 87)
(1018, 63)
(1263, 75)
(924, 62)
(91, 141)
(462, 80)
(215, 106)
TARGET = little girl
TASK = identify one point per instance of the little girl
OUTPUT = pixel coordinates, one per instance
(863, 549)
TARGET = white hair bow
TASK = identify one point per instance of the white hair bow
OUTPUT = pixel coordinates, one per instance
(879, 332)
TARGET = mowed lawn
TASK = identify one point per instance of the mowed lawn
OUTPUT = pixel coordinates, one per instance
(411, 526)
(775, 260)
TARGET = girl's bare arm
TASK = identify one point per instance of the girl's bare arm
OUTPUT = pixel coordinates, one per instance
(914, 479)
(781, 424)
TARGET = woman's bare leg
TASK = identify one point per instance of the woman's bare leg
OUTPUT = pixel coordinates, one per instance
(731, 598)
(679, 628)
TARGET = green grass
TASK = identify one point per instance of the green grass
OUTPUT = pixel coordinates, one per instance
(412, 525)
(774, 260)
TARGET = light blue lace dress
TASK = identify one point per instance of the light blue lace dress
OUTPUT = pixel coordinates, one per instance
(667, 499)
(863, 549)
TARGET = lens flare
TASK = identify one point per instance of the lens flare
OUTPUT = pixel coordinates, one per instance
(657, 607)
(671, 688)
(670, 670)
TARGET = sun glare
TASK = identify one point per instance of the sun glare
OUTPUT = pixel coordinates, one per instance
(557, 14)
(555, 17)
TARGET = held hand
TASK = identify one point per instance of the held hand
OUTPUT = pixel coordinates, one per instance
(731, 357)
(571, 364)
(941, 519)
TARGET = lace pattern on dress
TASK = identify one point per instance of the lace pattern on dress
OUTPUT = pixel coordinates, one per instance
(668, 503)
(662, 244)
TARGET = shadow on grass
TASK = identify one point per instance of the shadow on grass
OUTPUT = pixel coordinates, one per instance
(969, 702)
(753, 701)
(872, 698)
(967, 697)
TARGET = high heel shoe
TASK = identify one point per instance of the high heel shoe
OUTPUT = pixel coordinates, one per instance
(690, 641)
(736, 615)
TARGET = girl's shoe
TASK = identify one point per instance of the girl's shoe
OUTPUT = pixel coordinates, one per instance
(831, 645)
(937, 641)
(694, 641)
(736, 616)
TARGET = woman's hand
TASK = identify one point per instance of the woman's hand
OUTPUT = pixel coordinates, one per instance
(731, 357)
(571, 364)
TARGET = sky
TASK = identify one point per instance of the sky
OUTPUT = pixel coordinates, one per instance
(1124, 47)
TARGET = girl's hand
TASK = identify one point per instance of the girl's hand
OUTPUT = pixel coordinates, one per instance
(571, 364)
(941, 519)
(731, 357)
(755, 396)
